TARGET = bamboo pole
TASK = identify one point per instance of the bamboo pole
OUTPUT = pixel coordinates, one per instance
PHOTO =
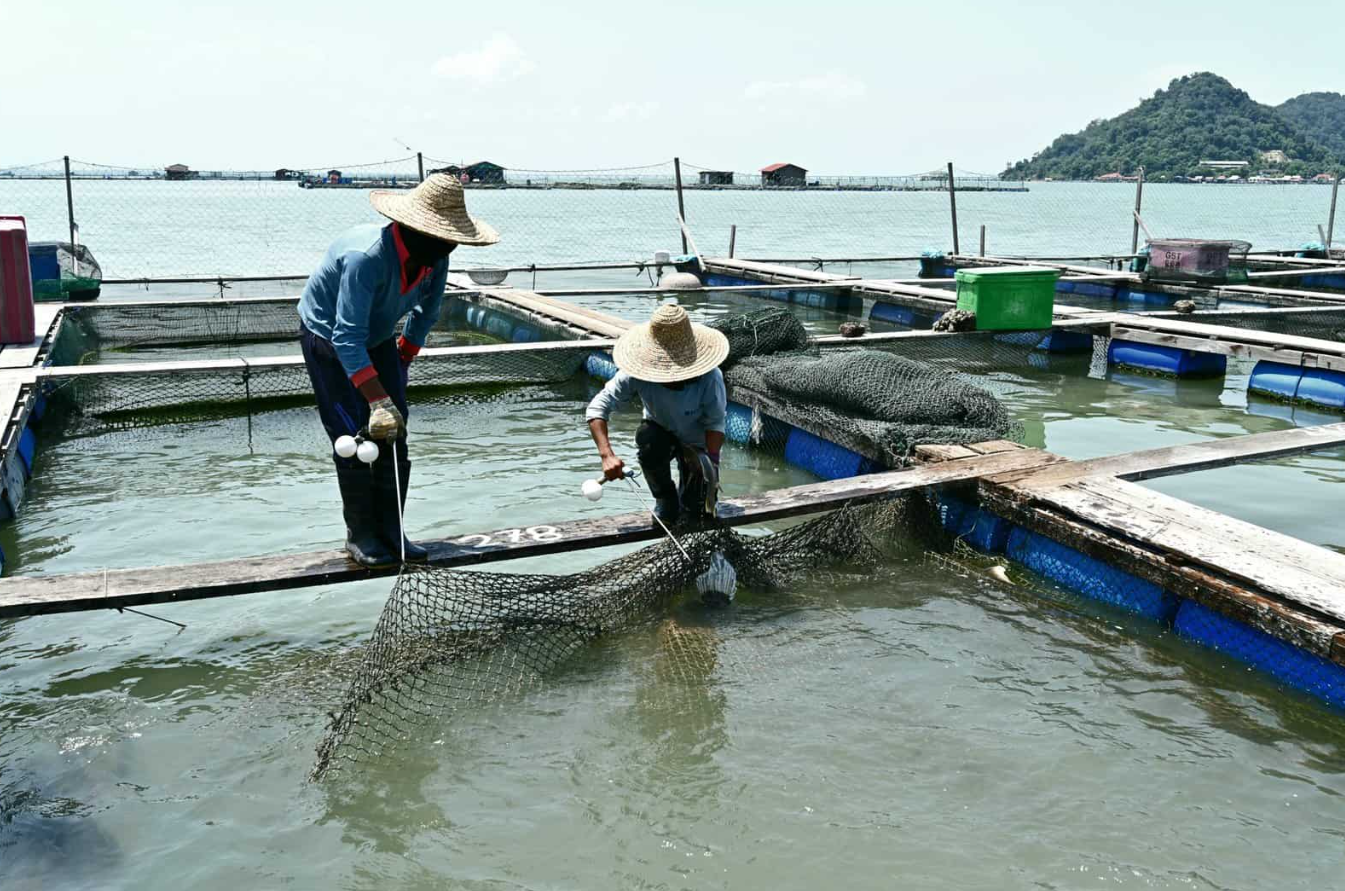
(70, 203)
(420, 165)
(681, 208)
(1139, 200)
(952, 203)
(733, 239)
(983, 239)
(1331, 220)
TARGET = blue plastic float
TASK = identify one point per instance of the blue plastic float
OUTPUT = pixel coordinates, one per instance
(1166, 360)
(1092, 578)
(1317, 386)
(1281, 660)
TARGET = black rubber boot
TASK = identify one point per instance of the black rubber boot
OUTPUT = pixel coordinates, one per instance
(658, 477)
(357, 504)
(388, 499)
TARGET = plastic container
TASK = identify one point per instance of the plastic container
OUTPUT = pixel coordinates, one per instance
(17, 324)
(1008, 298)
(1197, 260)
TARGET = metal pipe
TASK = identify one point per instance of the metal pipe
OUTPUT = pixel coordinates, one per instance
(1139, 200)
(952, 203)
(69, 200)
(733, 239)
(681, 208)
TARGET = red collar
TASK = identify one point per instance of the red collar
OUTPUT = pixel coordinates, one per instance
(403, 257)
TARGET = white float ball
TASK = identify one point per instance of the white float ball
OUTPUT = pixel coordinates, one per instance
(592, 490)
(345, 446)
(367, 452)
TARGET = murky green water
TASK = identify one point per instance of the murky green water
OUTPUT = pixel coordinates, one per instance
(924, 726)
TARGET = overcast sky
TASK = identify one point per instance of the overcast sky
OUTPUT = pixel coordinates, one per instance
(839, 87)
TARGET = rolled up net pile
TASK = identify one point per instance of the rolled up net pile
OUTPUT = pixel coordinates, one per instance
(450, 639)
(888, 402)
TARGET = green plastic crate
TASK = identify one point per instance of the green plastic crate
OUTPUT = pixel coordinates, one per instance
(1008, 298)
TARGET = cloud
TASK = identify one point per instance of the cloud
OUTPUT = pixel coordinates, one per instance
(498, 60)
(631, 111)
(834, 85)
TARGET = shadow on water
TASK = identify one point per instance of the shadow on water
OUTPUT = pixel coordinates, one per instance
(51, 841)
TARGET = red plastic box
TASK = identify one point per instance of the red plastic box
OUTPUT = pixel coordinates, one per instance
(16, 283)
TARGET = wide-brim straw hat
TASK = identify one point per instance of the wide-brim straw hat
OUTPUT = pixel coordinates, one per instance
(669, 348)
(436, 207)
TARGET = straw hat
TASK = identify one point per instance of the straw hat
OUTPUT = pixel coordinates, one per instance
(435, 207)
(669, 348)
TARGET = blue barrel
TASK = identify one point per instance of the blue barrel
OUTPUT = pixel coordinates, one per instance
(822, 457)
(1090, 577)
(600, 365)
(27, 447)
(1166, 360)
(1287, 663)
(977, 527)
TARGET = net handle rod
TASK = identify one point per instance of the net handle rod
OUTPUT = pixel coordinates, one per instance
(629, 477)
(397, 495)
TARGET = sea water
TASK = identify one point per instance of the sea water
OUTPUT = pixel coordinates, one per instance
(922, 726)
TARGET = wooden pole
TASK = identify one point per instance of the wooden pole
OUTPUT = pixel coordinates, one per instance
(420, 165)
(983, 239)
(70, 203)
(952, 203)
(1331, 220)
(733, 239)
(1139, 200)
(681, 207)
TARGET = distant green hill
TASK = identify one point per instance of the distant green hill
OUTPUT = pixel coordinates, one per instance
(1198, 117)
(1320, 116)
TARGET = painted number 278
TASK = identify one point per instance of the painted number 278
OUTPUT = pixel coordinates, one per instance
(511, 536)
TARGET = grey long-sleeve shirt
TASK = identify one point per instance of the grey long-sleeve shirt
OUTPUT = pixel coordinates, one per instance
(699, 405)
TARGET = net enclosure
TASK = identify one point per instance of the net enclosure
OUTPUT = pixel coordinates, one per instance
(885, 403)
(450, 639)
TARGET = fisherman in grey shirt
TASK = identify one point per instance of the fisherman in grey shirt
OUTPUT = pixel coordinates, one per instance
(673, 366)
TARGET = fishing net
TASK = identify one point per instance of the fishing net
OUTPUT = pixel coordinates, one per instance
(449, 639)
(877, 402)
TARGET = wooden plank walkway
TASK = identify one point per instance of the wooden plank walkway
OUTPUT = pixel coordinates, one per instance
(1244, 343)
(24, 355)
(588, 320)
(110, 589)
(1187, 458)
(1288, 296)
(898, 292)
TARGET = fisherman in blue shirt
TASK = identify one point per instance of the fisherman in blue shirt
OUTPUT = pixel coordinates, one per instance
(370, 279)
(673, 366)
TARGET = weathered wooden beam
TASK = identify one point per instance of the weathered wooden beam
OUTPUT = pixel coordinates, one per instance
(114, 588)
(1287, 622)
(1186, 458)
(1239, 349)
(1290, 569)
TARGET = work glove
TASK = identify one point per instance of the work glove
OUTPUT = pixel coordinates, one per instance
(406, 351)
(385, 419)
(707, 466)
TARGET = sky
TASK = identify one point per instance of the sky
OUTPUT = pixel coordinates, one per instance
(838, 87)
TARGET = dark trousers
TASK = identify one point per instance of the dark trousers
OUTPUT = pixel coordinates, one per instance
(342, 407)
(656, 449)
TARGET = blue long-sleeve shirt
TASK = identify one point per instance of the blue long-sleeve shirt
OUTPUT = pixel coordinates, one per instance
(700, 405)
(359, 292)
